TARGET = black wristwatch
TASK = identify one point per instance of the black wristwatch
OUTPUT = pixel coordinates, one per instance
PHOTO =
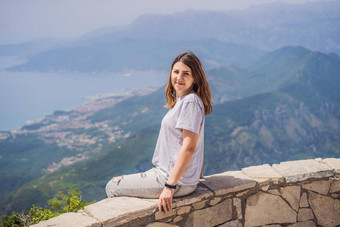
(170, 186)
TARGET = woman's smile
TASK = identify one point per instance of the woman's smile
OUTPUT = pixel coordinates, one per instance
(182, 79)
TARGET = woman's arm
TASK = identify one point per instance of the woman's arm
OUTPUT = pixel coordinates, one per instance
(183, 159)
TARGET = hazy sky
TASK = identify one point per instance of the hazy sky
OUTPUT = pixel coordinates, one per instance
(23, 20)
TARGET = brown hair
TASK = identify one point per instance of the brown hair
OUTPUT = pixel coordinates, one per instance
(201, 86)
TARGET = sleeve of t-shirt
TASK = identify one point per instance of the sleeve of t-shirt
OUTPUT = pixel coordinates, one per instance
(190, 117)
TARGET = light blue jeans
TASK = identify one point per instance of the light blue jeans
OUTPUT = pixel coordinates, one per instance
(149, 184)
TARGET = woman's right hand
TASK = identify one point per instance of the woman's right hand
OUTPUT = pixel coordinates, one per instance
(165, 200)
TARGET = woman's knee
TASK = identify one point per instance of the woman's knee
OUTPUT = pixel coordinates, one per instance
(112, 186)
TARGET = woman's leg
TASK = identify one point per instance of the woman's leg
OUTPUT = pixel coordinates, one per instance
(148, 184)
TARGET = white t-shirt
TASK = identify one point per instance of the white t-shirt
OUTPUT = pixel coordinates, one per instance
(188, 113)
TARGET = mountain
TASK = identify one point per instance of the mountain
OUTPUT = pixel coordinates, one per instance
(151, 41)
(129, 54)
(27, 49)
(286, 106)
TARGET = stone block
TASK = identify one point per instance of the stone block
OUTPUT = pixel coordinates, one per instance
(183, 210)
(229, 182)
(199, 218)
(222, 212)
(238, 205)
(263, 174)
(335, 186)
(70, 219)
(265, 188)
(305, 214)
(326, 209)
(211, 216)
(161, 224)
(215, 201)
(321, 187)
(272, 225)
(241, 194)
(198, 195)
(303, 224)
(199, 205)
(265, 209)
(292, 195)
(233, 223)
(162, 215)
(177, 219)
(274, 192)
(294, 171)
(303, 200)
(335, 195)
(334, 163)
(120, 210)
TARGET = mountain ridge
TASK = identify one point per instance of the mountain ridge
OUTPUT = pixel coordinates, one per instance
(262, 28)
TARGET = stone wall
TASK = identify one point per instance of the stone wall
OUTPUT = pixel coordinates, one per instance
(295, 193)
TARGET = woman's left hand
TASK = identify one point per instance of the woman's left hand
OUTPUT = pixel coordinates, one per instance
(165, 200)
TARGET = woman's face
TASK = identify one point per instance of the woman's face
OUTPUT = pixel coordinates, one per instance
(181, 79)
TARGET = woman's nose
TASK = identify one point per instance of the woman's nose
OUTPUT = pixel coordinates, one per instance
(180, 76)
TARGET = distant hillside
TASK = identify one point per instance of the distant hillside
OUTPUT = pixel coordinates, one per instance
(286, 106)
(151, 41)
(129, 54)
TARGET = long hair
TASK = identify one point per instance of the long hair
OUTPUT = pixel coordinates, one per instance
(201, 86)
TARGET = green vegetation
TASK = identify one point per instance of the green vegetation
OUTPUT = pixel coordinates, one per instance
(61, 203)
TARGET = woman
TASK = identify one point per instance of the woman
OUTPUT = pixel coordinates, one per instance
(178, 156)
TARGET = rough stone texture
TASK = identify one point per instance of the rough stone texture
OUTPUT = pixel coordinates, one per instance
(335, 186)
(263, 174)
(178, 218)
(303, 200)
(234, 223)
(222, 212)
(334, 163)
(70, 219)
(198, 195)
(265, 188)
(215, 201)
(321, 187)
(183, 210)
(292, 195)
(335, 195)
(199, 205)
(241, 194)
(199, 218)
(160, 224)
(211, 216)
(264, 209)
(161, 215)
(238, 206)
(303, 224)
(228, 182)
(121, 209)
(326, 209)
(294, 171)
(274, 192)
(305, 214)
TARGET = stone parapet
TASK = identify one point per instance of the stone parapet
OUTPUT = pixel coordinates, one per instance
(294, 193)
